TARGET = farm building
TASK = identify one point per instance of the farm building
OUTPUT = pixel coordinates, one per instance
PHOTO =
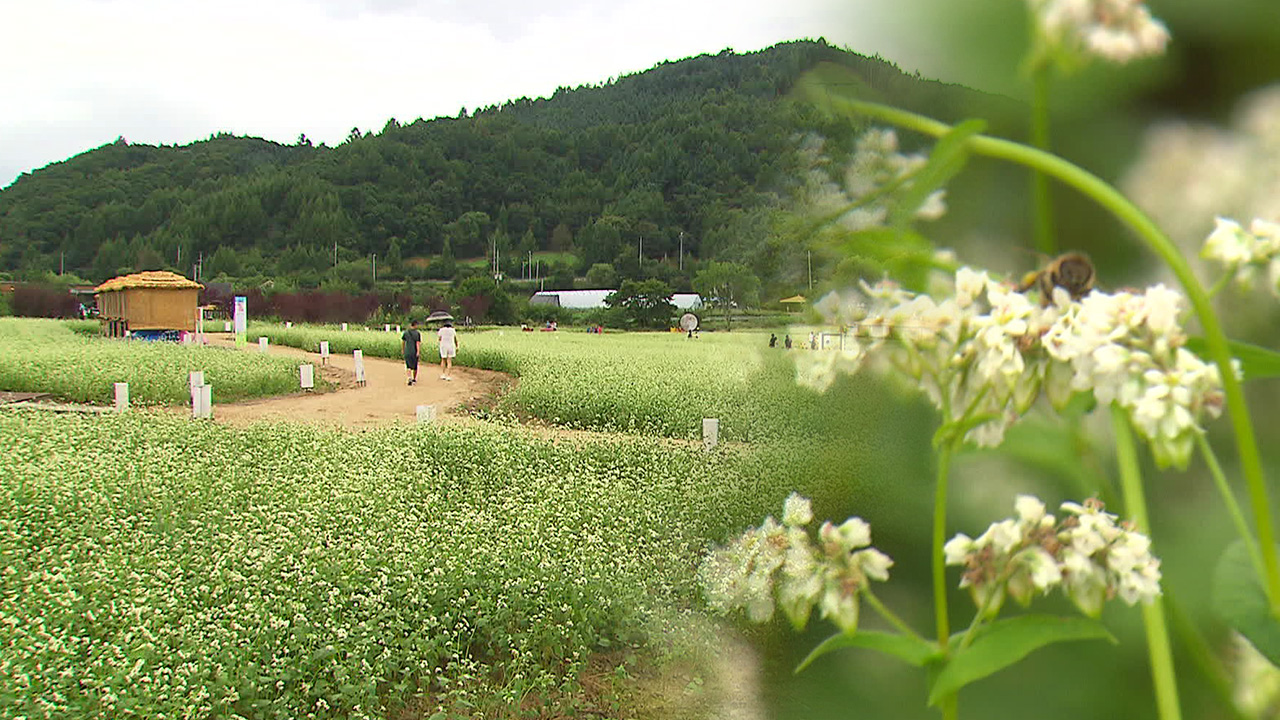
(147, 301)
(591, 299)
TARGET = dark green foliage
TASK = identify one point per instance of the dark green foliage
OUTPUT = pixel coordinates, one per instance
(644, 304)
(689, 160)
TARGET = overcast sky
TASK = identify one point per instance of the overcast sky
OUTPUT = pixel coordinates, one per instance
(80, 73)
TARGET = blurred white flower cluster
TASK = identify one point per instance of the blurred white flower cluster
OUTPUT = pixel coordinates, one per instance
(1188, 173)
(782, 561)
(1257, 681)
(1086, 554)
(984, 354)
(1244, 253)
(874, 173)
(1115, 30)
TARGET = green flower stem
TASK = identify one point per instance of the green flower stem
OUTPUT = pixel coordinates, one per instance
(1046, 242)
(890, 615)
(1233, 507)
(1221, 283)
(1153, 620)
(1111, 199)
(950, 704)
(940, 539)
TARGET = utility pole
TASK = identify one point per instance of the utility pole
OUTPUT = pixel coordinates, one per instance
(62, 263)
(811, 272)
(681, 250)
(640, 255)
(335, 253)
(375, 268)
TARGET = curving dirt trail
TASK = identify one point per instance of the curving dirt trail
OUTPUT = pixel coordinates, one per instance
(384, 399)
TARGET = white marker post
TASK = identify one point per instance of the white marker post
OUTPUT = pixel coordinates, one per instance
(710, 433)
(386, 328)
(324, 352)
(122, 397)
(262, 344)
(226, 327)
(307, 376)
(359, 363)
(344, 327)
(397, 328)
(426, 414)
(288, 323)
(195, 379)
(202, 402)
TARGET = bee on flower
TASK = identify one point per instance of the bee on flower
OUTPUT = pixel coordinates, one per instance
(984, 353)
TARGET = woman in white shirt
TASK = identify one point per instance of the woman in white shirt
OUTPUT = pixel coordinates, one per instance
(448, 349)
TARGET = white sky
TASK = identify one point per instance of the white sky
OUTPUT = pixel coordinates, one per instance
(79, 73)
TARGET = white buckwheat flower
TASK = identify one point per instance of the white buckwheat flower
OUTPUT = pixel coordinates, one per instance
(1086, 554)
(782, 560)
(1245, 253)
(1115, 30)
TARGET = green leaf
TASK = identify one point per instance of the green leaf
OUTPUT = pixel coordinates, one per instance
(1256, 362)
(1005, 642)
(911, 650)
(905, 254)
(1239, 599)
(947, 158)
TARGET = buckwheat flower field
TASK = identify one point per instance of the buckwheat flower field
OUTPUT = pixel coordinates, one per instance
(48, 356)
(158, 568)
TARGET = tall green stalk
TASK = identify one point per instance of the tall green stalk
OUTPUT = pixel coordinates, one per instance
(1216, 340)
(1042, 203)
(1153, 620)
(950, 706)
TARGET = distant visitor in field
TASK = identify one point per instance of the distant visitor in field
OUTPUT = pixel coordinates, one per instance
(411, 347)
(787, 342)
(773, 340)
(448, 349)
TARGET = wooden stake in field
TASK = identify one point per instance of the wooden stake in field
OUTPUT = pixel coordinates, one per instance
(122, 396)
(307, 376)
(359, 363)
(710, 433)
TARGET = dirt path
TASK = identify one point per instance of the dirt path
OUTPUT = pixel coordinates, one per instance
(384, 399)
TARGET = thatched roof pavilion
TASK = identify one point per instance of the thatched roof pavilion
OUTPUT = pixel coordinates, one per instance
(155, 300)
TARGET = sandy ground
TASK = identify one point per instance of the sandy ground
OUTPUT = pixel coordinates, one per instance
(384, 399)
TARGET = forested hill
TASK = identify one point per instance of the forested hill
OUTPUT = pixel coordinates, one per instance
(696, 153)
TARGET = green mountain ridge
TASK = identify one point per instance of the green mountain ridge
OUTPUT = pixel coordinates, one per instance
(688, 161)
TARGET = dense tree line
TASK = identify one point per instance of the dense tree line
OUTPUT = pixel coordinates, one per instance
(645, 177)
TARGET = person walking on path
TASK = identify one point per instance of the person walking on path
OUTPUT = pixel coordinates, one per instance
(411, 348)
(448, 349)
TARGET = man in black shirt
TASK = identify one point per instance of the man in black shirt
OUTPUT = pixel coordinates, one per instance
(411, 346)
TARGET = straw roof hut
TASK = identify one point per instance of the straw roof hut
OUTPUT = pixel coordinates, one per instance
(155, 300)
